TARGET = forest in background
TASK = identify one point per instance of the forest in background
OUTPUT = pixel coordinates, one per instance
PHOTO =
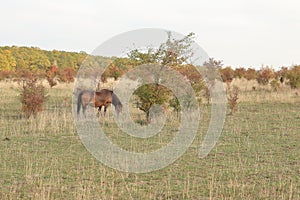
(61, 66)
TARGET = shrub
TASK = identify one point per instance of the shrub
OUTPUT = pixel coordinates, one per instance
(67, 75)
(275, 84)
(149, 95)
(239, 72)
(51, 76)
(227, 74)
(5, 74)
(264, 75)
(33, 96)
(233, 99)
(251, 74)
(294, 77)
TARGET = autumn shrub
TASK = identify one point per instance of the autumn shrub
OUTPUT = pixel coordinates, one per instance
(233, 96)
(264, 75)
(227, 74)
(239, 72)
(33, 95)
(6, 74)
(67, 74)
(251, 74)
(51, 76)
(293, 76)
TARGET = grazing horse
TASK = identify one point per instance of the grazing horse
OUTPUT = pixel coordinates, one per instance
(98, 99)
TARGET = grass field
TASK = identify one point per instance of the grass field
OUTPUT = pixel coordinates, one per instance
(256, 157)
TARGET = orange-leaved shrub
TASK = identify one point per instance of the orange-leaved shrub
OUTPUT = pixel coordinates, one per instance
(265, 74)
(233, 98)
(33, 95)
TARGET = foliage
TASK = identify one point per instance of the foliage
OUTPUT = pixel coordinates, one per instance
(294, 76)
(117, 68)
(7, 61)
(150, 95)
(51, 76)
(33, 96)
(239, 72)
(33, 58)
(233, 98)
(275, 84)
(4, 74)
(66, 74)
(175, 104)
(227, 74)
(282, 74)
(250, 74)
(193, 76)
(264, 75)
(173, 53)
(16, 62)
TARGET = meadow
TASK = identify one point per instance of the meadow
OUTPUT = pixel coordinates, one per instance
(256, 157)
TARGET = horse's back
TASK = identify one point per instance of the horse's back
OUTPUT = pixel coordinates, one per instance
(86, 96)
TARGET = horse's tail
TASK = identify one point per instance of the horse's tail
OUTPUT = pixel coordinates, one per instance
(117, 103)
(79, 102)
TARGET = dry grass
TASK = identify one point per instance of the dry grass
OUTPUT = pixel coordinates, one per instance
(256, 157)
(251, 91)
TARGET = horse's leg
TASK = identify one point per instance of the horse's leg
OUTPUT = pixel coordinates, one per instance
(105, 108)
(84, 109)
(99, 111)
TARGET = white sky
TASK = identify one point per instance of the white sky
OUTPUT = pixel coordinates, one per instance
(242, 33)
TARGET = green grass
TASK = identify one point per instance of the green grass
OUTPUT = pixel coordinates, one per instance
(256, 157)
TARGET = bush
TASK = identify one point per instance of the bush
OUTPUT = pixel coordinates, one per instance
(33, 96)
(149, 95)
(5, 74)
(294, 77)
(251, 74)
(239, 72)
(67, 75)
(275, 84)
(227, 74)
(264, 76)
(51, 76)
(233, 98)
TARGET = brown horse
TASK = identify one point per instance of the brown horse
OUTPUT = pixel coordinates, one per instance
(98, 99)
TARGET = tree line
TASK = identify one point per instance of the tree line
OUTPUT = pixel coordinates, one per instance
(18, 61)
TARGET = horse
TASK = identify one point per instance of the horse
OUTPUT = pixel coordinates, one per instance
(98, 99)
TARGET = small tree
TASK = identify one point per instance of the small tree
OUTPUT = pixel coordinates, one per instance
(51, 76)
(227, 74)
(175, 104)
(149, 95)
(264, 75)
(33, 96)
(172, 53)
(233, 99)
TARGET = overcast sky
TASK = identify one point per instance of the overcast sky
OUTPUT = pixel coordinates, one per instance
(242, 33)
